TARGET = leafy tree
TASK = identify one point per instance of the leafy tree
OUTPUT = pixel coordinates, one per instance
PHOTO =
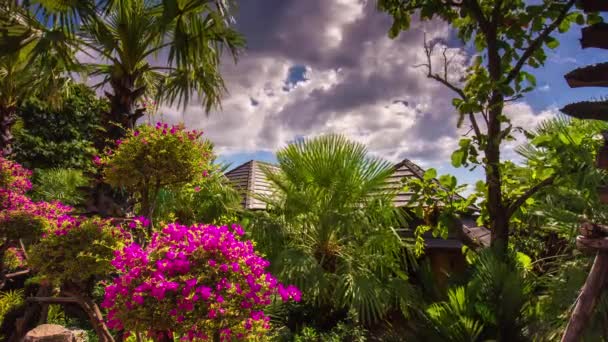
(59, 137)
(511, 37)
(129, 37)
(331, 231)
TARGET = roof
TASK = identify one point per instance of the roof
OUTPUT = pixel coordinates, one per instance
(250, 180)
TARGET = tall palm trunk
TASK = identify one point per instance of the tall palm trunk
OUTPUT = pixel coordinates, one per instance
(123, 108)
(8, 116)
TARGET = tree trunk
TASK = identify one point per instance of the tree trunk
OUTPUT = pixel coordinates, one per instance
(96, 318)
(587, 299)
(499, 218)
(92, 311)
(8, 116)
(123, 112)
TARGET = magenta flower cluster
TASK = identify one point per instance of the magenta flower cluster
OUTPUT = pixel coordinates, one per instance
(197, 282)
(14, 183)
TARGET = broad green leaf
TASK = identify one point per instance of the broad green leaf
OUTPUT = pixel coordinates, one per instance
(430, 174)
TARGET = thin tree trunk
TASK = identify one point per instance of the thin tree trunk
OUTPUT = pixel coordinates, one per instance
(498, 214)
(8, 116)
(94, 314)
(587, 299)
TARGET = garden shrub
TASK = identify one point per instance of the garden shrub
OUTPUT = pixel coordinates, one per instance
(200, 281)
(154, 157)
(77, 252)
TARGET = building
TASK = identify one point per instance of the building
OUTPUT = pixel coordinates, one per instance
(444, 255)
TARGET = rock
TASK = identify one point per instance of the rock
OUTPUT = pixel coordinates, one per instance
(49, 333)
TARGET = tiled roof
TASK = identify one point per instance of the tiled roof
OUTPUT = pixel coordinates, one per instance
(249, 178)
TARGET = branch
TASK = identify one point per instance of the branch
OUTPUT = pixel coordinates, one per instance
(529, 193)
(53, 300)
(536, 43)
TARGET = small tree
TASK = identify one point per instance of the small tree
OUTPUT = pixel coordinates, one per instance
(75, 256)
(197, 282)
(153, 157)
(510, 36)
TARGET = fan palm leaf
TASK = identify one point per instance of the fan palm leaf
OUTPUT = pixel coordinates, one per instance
(335, 222)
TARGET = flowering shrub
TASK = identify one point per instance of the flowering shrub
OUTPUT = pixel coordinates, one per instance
(14, 177)
(78, 251)
(200, 281)
(153, 157)
(13, 259)
(22, 218)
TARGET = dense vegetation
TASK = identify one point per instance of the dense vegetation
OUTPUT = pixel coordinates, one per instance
(169, 253)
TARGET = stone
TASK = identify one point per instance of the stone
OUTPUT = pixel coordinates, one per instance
(49, 333)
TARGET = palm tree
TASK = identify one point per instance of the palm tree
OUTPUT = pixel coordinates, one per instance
(169, 50)
(33, 62)
(496, 303)
(331, 229)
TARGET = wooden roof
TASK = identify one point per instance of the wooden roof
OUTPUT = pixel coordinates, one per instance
(594, 5)
(594, 36)
(250, 180)
(597, 110)
(588, 76)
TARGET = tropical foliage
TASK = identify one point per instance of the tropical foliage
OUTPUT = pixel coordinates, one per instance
(61, 136)
(332, 229)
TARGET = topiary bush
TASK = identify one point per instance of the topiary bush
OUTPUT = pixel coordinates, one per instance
(77, 253)
(200, 281)
(154, 157)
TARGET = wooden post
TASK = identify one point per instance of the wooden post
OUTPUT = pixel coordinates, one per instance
(585, 303)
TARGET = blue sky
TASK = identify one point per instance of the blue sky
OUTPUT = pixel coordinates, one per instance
(319, 66)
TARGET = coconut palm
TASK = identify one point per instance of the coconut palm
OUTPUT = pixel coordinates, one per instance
(331, 228)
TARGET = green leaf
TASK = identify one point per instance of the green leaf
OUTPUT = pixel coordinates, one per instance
(448, 181)
(552, 43)
(430, 174)
(458, 158)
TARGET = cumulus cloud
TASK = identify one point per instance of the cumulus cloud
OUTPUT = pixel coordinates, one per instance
(356, 82)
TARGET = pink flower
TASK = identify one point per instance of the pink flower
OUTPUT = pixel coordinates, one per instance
(197, 188)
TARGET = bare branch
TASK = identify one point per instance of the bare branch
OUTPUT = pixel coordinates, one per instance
(529, 193)
(537, 43)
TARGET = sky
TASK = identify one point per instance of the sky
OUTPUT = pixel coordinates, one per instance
(320, 66)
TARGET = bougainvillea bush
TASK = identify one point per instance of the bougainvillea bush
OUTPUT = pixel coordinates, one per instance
(154, 157)
(199, 281)
(20, 217)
